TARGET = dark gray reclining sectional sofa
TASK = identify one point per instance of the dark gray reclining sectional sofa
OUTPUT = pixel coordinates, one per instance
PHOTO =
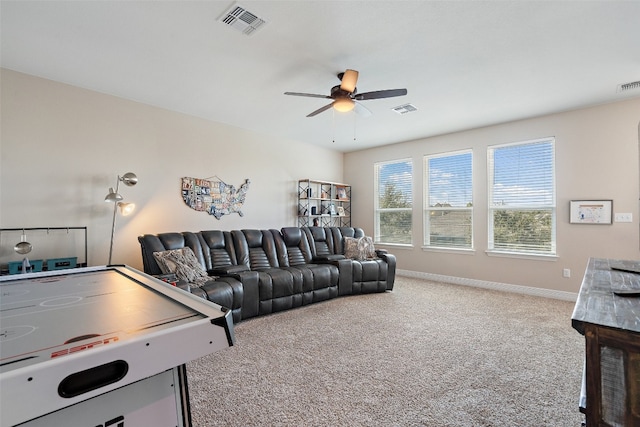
(256, 272)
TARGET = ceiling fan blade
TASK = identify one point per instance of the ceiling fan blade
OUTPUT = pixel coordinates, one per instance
(320, 110)
(361, 110)
(390, 93)
(349, 80)
(309, 95)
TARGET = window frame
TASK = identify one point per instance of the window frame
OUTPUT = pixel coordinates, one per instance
(525, 207)
(427, 209)
(376, 201)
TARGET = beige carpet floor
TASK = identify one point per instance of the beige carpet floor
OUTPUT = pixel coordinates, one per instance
(425, 354)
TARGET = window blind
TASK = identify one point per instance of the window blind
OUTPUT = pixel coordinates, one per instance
(393, 201)
(522, 197)
(448, 213)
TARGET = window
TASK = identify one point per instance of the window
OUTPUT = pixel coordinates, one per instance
(393, 201)
(522, 211)
(448, 211)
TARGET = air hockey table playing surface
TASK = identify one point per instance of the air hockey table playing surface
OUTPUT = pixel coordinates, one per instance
(70, 335)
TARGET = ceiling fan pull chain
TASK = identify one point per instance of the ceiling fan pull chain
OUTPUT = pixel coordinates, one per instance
(354, 126)
(333, 125)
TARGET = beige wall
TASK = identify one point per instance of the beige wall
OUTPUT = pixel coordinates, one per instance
(62, 148)
(596, 158)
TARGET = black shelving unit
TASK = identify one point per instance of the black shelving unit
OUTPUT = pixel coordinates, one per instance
(323, 203)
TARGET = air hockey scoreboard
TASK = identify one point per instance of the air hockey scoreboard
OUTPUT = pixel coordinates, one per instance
(101, 346)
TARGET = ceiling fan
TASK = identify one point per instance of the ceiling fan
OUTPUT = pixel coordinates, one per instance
(345, 94)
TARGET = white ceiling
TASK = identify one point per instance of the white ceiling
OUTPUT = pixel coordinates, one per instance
(465, 64)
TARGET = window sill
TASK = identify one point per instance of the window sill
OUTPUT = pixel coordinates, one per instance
(395, 245)
(463, 251)
(536, 257)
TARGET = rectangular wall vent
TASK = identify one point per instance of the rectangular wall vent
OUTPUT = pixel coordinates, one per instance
(404, 109)
(628, 86)
(241, 19)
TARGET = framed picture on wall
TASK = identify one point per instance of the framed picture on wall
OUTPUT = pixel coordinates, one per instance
(590, 211)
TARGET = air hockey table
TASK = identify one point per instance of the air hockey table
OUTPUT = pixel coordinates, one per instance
(101, 346)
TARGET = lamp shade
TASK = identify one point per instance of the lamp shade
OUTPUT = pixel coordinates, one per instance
(349, 80)
(126, 208)
(113, 196)
(129, 179)
(343, 105)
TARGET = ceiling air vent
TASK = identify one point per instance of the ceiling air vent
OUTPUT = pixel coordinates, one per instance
(404, 109)
(242, 20)
(628, 86)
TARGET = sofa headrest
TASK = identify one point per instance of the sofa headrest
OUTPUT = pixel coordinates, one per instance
(319, 234)
(350, 232)
(172, 240)
(215, 239)
(253, 237)
(291, 235)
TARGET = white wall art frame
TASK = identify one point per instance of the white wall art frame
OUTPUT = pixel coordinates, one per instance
(590, 211)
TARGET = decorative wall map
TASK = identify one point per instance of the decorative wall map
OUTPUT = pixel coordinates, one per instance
(214, 196)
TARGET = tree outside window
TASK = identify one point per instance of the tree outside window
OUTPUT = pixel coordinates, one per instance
(394, 202)
(448, 211)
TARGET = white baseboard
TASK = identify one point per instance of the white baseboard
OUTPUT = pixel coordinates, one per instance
(526, 290)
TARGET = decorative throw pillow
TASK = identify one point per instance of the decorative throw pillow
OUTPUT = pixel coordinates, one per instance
(184, 264)
(367, 245)
(359, 248)
(351, 248)
(166, 266)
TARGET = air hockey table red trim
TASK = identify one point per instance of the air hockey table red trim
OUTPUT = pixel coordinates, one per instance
(70, 335)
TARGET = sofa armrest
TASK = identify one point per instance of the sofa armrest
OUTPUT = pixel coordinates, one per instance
(172, 279)
(345, 275)
(250, 292)
(228, 270)
(390, 259)
(327, 258)
(169, 278)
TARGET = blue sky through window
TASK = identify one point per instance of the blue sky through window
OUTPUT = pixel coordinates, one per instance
(400, 174)
(450, 180)
(523, 175)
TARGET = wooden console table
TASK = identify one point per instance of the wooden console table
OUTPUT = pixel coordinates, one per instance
(611, 326)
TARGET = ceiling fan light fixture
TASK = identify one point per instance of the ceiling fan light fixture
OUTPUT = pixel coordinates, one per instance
(349, 80)
(345, 95)
(343, 105)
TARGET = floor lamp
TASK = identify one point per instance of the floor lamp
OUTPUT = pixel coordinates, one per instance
(129, 179)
